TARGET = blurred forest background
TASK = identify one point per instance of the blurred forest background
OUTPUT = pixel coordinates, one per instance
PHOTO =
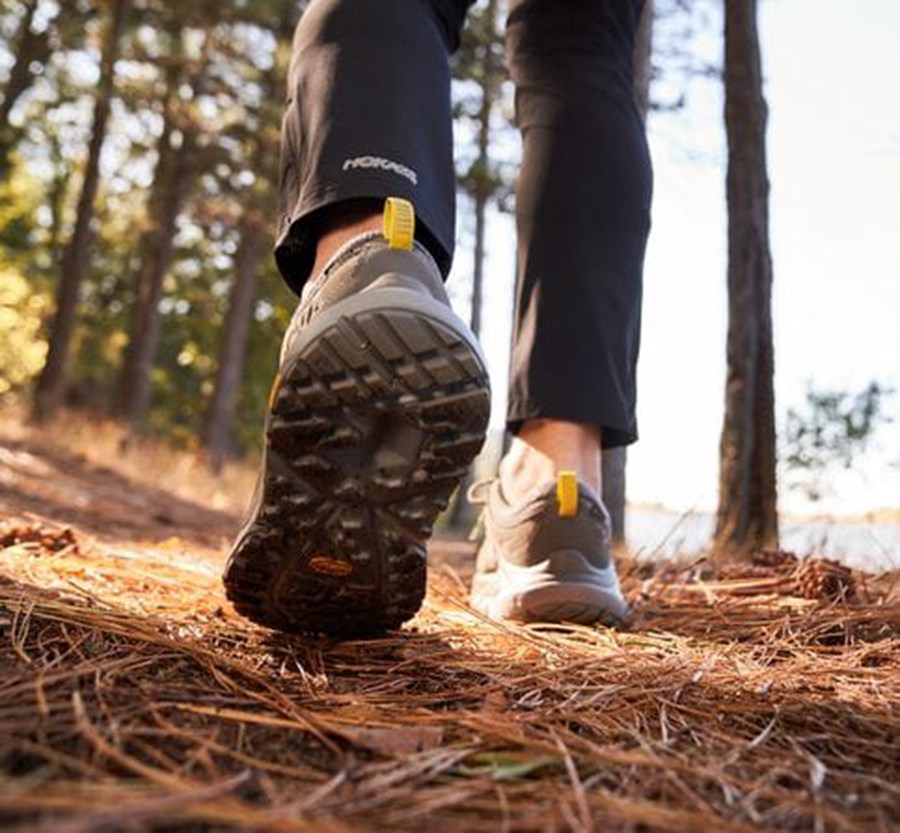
(139, 159)
(139, 147)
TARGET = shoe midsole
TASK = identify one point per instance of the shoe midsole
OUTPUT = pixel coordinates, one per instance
(384, 300)
(564, 577)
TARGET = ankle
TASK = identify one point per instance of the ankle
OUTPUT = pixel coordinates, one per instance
(341, 225)
(543, 448)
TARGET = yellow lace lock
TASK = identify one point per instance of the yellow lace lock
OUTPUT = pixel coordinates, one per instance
(399, 223)
(567, 494)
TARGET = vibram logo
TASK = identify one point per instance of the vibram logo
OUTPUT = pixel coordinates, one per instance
(328, 566)
(382, 164)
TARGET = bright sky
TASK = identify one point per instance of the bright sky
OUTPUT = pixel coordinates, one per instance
(831, 73)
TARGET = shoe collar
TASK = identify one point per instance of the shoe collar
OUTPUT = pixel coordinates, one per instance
(489, 493)
(349, 250)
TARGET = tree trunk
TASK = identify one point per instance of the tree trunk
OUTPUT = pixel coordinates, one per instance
(482, 190)
(747, 516)
(31, 48)
(483, 186)
(172, 181)
(254, 248)
(53, 378)
(612, 480)
(614, 460)
(142, 280)
(235, 335)
(56, 202)
(478, 258)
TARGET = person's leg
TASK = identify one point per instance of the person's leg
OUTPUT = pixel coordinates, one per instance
(582, 211)
(382, 398)
(583, 208)
(368, 117)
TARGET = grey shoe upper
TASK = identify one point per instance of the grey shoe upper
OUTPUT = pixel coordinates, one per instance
(529, 533)
(365, 262)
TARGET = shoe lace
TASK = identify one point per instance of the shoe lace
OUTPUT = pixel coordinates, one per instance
(477, 492)
(477, 495)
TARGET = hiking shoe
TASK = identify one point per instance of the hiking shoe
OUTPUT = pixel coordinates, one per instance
(547, 559)
(380, 403)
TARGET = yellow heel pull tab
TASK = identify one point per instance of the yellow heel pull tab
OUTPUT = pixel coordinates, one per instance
(399, 223)
(567, 494)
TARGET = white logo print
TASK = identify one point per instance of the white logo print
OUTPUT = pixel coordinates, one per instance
(382, 164)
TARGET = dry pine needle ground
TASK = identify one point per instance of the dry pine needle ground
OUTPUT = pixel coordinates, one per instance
(132, 698)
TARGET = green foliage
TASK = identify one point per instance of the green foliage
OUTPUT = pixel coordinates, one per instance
(832, 429)
(23, 304)
(20, 196)
(216, 71)
(212, 73)
(487, 144)
(22, 350)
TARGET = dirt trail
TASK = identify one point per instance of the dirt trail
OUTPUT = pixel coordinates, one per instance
(132, 698)
(63, 487)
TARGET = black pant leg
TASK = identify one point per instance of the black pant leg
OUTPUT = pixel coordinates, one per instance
(583, 213)
(368, 117)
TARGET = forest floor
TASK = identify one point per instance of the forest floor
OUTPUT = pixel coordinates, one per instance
(132, 697)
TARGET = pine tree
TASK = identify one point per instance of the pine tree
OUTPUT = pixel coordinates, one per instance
(479, 66)
(259, 200)
(747, 516)
(175, 172)
(53, 378)
(31, 49)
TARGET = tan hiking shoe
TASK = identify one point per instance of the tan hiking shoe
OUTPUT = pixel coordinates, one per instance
(380, 403)
(546, 559)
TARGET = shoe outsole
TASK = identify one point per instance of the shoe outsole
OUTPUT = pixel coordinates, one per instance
(562, 587)
(372, 425)
(558, 603)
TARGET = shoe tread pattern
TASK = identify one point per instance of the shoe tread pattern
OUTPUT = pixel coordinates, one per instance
(372, 427)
